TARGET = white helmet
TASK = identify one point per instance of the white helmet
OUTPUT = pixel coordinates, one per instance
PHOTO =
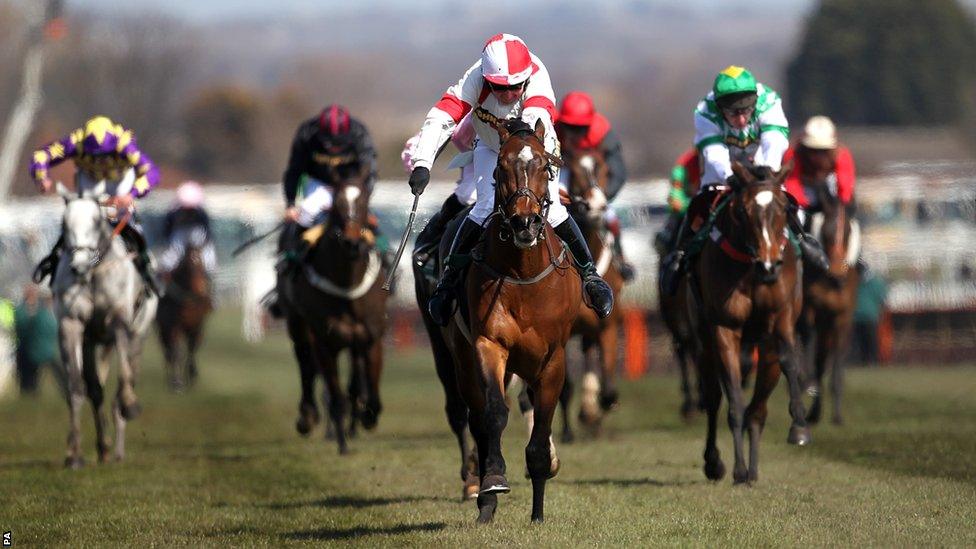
(819, 133)
(506, 60)
(189, 195)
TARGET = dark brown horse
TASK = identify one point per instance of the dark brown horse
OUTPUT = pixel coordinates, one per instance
(522, 297)
(589, 175)
(183, 312)
(424, 276)
(746, 288)
(333, 303)
(675, 315)
(829, 300)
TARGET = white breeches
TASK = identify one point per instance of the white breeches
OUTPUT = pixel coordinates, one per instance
(317, 200)
(483, 169)
(119, 187)
(173, 253)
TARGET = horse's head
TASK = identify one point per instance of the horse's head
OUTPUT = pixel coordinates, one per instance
(833, 233)
(588, 178)
(522, 180)
(349, 216)
(86, 231)
(758, 211)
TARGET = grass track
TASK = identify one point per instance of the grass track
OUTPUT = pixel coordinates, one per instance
(223, 465)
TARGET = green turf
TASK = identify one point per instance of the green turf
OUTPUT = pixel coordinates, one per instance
(223, 465)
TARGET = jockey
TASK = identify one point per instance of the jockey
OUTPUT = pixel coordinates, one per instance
(465, 191)
(579, 128)
(102, 151)
(507, 82)
(183, 223)
(818, 157)
(685, 180)
(741, 120)
(327, 146)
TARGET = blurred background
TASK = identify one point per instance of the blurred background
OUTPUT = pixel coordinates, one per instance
(215, 90)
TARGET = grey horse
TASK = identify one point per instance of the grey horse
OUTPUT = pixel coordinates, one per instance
(101, 304)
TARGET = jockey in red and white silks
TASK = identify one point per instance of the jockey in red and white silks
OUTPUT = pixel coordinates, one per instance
(517, 72)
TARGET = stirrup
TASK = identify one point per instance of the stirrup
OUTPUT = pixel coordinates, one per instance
(442, 305)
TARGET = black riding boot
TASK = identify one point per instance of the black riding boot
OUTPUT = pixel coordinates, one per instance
(133, 234)
(429, 238)
(673, 264)
(810, 248)
(599, 293)
(444, 299)
(49, 265)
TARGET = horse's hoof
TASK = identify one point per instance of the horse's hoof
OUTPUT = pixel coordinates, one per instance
(303, 426)
(715, 470)
(837, 420)
(554, 467)
(753, 476)
(538, 520)
(369, 419)
(689, 410)
(740, 477)
(104, 456)
(486, 515)
(799, 436)
(568, 437)
(609, 400)
(494, 484)
(131, 411)
(470, 491)
(343, 450)
(74, 462)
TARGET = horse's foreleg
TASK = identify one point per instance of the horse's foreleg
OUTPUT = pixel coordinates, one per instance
(843, 327)
(821, 358)
(767, 374)
(711, 390)
(308, 412)
(540, 454)
(128, 402)
(356, 389)
(590, 413)
(565, 403)
(72, 335)
(728, 346)
(688, 402)
(609, 396)
(193, 337)
(492, 360)
(327, 360)
(799, 432)
(469, 382)
(374, 369)
(96, 395)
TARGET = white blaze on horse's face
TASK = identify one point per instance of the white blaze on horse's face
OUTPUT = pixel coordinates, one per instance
(352, 194)
(764, 199)
(82, 231)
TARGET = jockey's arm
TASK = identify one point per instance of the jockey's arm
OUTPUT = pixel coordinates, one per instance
(677, 197)
(366, 152)
(297, 163)
(51, 155)
(614, 155)
(844, 168)
(774, 137)
(147, 174)
(540, 104)
(710, 141)
(445, 115)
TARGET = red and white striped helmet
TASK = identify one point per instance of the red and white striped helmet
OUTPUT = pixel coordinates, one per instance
(506, 61)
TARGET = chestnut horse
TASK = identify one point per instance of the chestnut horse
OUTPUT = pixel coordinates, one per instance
(746, 288)
(333, 303)
(829, 299)
(588, 177)
(183, 311)
(521, 297)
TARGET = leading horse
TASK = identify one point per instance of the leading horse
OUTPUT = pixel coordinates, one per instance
(336, 302)
(521, 297)
(745, 288)
(102, 305)
(829, 299)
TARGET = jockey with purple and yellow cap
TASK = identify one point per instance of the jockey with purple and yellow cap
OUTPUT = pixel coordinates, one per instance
(103, 151)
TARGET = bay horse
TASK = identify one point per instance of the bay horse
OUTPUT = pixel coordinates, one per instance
(746, 290)
(102, 305)
(829, 299)
(335, 302)
(588, 178)
(183, 311)
(520, 298)
(676, 318)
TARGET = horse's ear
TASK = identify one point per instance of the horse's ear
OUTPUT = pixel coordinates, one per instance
(742, 173)
(540, 129)
(63, 191)
(502, 130)
(784, 171)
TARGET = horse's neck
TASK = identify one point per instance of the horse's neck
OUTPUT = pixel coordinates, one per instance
(330, 261)
(508, 259)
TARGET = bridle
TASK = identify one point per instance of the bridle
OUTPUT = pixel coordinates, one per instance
(523, 191)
